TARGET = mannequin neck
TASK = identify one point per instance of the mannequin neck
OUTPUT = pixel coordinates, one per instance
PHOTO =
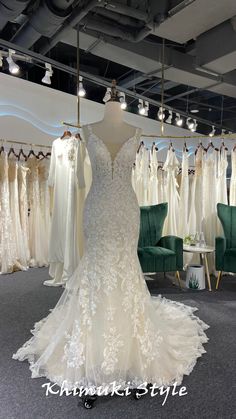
(113, 113)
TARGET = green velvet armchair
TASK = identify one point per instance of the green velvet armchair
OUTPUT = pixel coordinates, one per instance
(226, 246)
(157, 253)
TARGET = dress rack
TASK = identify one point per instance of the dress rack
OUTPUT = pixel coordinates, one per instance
(20, 143)
(192, 137)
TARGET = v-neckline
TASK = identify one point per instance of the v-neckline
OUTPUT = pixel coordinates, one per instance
(105, 146)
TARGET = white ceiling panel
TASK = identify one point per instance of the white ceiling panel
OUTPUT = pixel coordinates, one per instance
(195, 19)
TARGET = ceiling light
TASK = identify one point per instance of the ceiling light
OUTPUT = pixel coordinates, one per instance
(223, 132)
(48, 74)
(169, 119)
(194, 127)
(141, 108)
(194, 109)
(161, 113)
(146, 107)
(81, 91)
(123, 103)
(190, 123)
(179, 120)
(212, 133)
(1, 60)
(13, 67)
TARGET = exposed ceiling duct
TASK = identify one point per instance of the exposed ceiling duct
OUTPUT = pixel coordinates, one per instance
(110, 29)
(45, 21)
(10, 9)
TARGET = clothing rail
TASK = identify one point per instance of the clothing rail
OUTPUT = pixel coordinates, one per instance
(3, 141)
(193, 137)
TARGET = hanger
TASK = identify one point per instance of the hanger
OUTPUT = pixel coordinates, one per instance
(21, 153)
(140, 146)
(154, 147)
(48, 155)
(32, 153)
(223, 146)
(185, 147)
(78, 136)
(171, 147)
(41, 154)
(12, 151)
(66, 133)
(2, 148)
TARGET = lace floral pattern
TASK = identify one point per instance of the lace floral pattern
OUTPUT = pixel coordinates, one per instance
(106, 327)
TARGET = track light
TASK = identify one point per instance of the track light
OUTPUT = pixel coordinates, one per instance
(212, 133)
(81, 91)
(179, 120)
(107, 95)
(169, 119)
(161, 113)
(13, 67)
(143, 107)
(1, 60)
(223, 132)
(194, 127)
(123, 103)
(190, 123)
(48, 74)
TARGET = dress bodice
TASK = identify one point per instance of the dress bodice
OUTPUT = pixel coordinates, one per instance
(107, 170)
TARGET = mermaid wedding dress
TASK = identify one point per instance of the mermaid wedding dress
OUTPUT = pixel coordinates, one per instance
(106, 327)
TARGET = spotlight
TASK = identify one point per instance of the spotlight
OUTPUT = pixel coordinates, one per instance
(146, 107)
(223, 132)
(141, 108)
(1, 60)
(212, 133)
(179, 120)
(107, 95)
(13, 67)
(48, 74)
(194, 109)
(81, 91)
(161, 113)
(194, 128)
(123, 103)
(190, 123)
(169, 119)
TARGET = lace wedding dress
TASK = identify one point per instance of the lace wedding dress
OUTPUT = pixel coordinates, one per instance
(106, 327)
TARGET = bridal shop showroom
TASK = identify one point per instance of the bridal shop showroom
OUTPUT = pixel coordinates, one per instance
(117, 209)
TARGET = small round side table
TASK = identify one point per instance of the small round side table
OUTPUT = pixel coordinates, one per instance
(203, 252)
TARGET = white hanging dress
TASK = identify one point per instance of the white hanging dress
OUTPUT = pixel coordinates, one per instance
(233, 179)
(184, 197)
(8, 255)
(65, 173)
(153, 179)
(171, 167)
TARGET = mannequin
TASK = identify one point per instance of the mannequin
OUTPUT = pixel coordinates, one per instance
(112, 129)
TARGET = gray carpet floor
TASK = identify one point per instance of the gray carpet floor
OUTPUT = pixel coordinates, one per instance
(211, 386)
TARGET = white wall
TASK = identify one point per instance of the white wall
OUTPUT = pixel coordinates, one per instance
(33, 113)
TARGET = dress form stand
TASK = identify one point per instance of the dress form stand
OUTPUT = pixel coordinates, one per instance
(112, 129)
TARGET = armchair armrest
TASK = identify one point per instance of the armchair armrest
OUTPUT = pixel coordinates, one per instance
(176, 245)
(220, 244)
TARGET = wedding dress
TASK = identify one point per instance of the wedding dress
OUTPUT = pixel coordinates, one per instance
(184, 197)
(23, 171)
(153, 180)
(8, 254)
(106, 327)
(21, 250)
(171, 193)
(233, 179)
(65, 241)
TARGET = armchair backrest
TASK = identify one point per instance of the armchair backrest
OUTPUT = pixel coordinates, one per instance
(227, 216)
(151, 224)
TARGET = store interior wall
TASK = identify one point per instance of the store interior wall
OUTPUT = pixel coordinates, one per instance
(33, 113)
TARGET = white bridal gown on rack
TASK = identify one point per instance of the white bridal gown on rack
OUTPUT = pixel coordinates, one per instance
(106, 326)
(184, 197)
(65, 174)
(171, 167)
(233, 179)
